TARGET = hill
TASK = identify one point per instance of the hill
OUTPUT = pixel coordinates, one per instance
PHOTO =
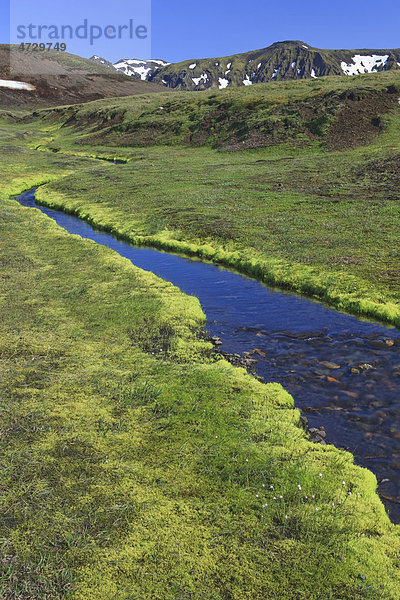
(60, 78)
(289, 60)
(280, 61)
(335, 111)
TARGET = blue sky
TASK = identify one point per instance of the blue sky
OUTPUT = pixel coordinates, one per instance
(182, 30)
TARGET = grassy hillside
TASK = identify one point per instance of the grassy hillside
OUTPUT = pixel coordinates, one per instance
(131, 472)
(337, 112)
(316, 213)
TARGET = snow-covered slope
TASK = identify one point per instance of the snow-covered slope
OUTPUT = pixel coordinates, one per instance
(365, 63)
(142, 69)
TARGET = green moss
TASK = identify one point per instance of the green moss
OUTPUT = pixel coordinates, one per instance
(129, 474)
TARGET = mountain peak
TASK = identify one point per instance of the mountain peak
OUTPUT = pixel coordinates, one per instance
(289, 43)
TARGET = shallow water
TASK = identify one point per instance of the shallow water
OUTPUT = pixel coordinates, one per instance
(294, 337)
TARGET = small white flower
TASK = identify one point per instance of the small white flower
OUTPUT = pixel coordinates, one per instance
(280, 496)
(313, 496)
(286, 516)
(265, 505)
(343, 483)
(299, 487)
(256, 495)
(349, 493)
(274, 498)
(247, 460)
(271, 487)
(333, 504)
(263, 485)
(216, 437)
(320, 475)
(306, 497)
(316, 509)
(358, 493)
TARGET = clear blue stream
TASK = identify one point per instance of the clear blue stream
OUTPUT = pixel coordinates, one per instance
(360, 412)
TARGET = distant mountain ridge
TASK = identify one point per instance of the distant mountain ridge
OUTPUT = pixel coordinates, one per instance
(286, 60)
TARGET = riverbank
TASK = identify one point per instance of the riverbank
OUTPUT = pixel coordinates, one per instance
(343, 370)
(166, 208)
(301, 213)
(163, 471)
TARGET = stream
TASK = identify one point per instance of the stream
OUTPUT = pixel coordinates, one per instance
(343, 372)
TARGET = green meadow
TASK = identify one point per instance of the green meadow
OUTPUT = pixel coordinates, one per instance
(312, 212)
(135, 465)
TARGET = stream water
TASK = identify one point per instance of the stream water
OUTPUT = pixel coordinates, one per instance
(343, 372)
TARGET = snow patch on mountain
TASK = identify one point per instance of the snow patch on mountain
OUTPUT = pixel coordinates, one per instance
(223, 83)
(364, 64)
(197, 80)
(133, 67)
(130, 68)
(139, 68)
(16, 85)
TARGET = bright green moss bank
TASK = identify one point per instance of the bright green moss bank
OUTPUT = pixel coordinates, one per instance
(132, 467)
(339, 289)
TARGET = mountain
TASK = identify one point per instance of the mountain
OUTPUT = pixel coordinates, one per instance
(281, 61)
(142, 69)
(48, 78)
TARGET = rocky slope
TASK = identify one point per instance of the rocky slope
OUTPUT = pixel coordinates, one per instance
(281, 61)
(46, 78)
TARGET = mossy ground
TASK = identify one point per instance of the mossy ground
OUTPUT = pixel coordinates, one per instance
(323, 223)
(133, 465)
(130, 472)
